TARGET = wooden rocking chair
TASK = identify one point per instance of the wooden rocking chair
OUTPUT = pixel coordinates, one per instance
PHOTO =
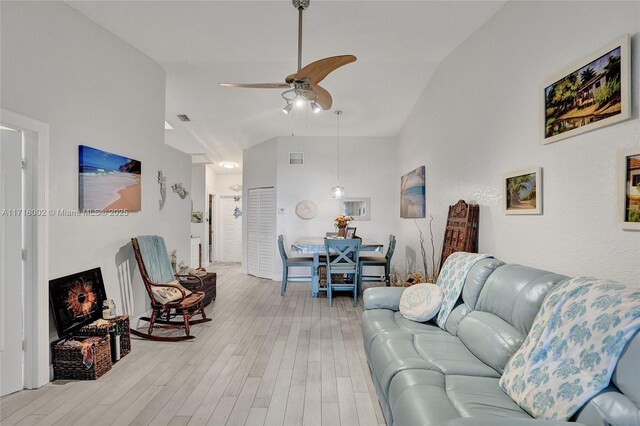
(188, 305)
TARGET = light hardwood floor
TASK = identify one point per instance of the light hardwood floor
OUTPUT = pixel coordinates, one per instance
(263, 360)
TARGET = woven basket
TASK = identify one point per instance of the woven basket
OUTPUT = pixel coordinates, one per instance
(322, 275)
(67, 361)
(122, 322)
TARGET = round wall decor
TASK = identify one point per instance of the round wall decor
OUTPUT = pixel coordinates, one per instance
(306, 209)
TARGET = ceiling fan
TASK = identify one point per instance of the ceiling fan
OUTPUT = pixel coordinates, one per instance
(303, 85)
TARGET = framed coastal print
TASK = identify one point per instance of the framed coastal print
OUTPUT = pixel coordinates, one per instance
(412, 194)
(523, 191)
(592, 93)
(629, 189)
(108, 181)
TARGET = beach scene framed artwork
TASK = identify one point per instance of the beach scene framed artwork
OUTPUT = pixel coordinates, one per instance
(522, 191)
(592, 93)
(108, 181)
(413, 194)
(629, 189)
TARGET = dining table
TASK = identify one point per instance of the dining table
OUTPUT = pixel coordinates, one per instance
(315, 246)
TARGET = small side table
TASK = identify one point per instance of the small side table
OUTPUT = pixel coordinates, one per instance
(119, 325)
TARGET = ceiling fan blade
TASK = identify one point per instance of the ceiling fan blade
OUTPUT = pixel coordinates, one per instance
(257, 85)
(324, 98)
(318, 70)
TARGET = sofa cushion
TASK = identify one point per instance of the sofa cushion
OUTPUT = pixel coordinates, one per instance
(515, 293)
(393, 352)
(420, 397)
(626, 376)
(476, 279)
(490, 338)
(455, 318)
(451, 356)
(421, 302)
(609, 407)
(378, 321)
(506, 307)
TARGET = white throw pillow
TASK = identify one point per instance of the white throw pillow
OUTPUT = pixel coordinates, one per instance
(421, 302)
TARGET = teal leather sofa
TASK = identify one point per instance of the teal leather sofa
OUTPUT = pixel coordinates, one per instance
(425, 375)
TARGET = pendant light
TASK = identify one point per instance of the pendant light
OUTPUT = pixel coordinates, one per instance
(337, 191)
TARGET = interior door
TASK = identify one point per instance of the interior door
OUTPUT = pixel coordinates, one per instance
(261, 232)
(210, 226)
(231, 232)
(253, 233)
(11, 268)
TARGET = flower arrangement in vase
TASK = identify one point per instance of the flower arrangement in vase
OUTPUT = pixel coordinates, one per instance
(341, 222)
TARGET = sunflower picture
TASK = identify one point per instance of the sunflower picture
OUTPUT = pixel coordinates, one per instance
(76, 300)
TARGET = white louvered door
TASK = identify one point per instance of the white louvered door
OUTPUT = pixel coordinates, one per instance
(261, 232)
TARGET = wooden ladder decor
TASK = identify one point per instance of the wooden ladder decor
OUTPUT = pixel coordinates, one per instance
(461, 233)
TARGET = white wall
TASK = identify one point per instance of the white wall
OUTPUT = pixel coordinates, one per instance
(479, 118)
(367, 169)
(92, 88)
(224, 181)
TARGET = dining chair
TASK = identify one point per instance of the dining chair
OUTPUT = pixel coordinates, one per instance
(288, 262)
(378, 261)
(343, 257)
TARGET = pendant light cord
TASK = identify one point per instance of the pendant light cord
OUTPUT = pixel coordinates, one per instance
(338, 114)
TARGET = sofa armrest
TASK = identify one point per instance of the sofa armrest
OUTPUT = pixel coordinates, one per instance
(382, 298)
(497, 421)
(609, 407)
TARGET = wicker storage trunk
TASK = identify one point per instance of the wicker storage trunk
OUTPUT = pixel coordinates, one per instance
(121, 326)
(67, 361)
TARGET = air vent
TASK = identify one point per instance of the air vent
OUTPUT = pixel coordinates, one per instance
(296, 158)
(183, 117)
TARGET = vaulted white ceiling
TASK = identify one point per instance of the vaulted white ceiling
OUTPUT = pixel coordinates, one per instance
(201, 43)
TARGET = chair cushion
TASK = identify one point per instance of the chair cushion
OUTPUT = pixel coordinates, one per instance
(300, 261)
(381, 260)
(421, 302)
(420, 397)
(164, 295)
(191, 300)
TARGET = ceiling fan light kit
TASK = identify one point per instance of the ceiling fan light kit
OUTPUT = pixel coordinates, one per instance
(302, 87)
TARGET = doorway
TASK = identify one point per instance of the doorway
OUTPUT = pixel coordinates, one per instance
(261, 232)
(230, 229)
(24, 299)
(11, 262)
(210, 222)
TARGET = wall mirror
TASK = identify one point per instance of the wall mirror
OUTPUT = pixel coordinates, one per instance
(357, 207)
